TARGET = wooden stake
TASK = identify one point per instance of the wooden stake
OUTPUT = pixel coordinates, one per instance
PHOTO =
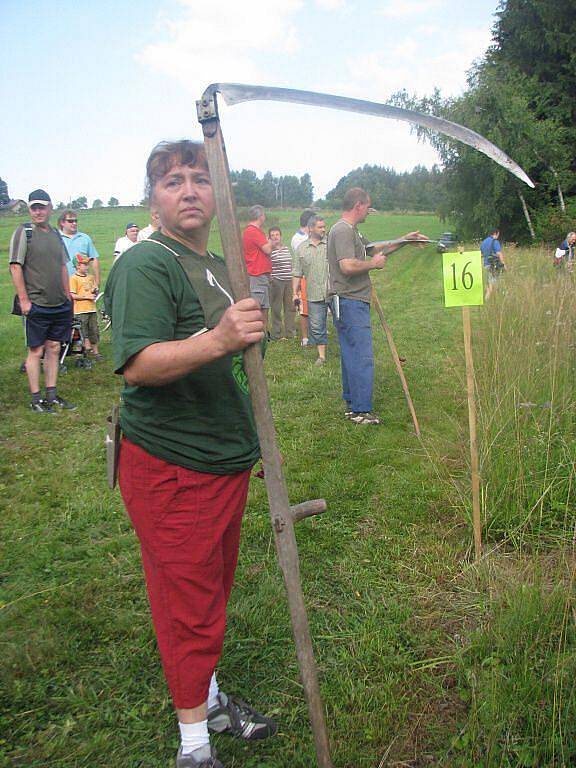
(282, 515)
(474, 463)
(396, 359)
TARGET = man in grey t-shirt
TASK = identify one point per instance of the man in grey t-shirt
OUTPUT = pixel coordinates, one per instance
(38, 268)
(350, 290)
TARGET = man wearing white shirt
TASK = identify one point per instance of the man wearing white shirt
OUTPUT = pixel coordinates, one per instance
(154, 226)
(123, 243)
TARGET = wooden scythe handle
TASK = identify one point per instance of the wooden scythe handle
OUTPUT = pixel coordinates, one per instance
(282, 515)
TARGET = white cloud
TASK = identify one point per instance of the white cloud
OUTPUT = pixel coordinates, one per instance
(221, 41)
(331, 5)
(419, 65)
(401, 9)
(198, 48)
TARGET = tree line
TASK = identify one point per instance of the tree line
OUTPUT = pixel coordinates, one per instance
(82, 202)
(421, 189)
(418, 190)
(272, 191)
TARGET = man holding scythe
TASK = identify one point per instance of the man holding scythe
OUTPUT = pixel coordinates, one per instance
(350, 289)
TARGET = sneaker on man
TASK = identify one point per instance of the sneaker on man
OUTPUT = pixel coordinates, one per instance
(235, 717)
(42, 406)
(365, 418)
(205, 757)
(61, 403)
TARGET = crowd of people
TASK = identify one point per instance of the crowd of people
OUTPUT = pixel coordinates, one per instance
(328, 272)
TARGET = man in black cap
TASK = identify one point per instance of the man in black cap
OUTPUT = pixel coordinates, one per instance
(123, 243)
(38, 268)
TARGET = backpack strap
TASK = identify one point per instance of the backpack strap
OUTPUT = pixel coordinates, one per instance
(28, 229)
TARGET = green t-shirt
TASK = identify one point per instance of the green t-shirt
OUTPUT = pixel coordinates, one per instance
(203, 421)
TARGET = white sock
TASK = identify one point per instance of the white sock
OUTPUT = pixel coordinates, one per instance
(213, 692)
(193, 736)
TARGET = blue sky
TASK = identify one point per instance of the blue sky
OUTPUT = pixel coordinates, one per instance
(88, 88)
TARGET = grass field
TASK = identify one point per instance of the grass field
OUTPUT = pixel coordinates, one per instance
(424, 658)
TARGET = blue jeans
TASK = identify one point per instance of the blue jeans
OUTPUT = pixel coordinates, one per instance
(356, 354)
(317, 318)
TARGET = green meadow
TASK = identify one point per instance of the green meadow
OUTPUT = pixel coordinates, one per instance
(425, 658)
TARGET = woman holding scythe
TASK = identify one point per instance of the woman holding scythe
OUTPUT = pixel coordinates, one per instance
(189, 440)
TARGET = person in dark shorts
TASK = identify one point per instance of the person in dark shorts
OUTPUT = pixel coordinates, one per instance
(38, 268)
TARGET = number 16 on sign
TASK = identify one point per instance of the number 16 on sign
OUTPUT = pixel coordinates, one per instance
(463, 288)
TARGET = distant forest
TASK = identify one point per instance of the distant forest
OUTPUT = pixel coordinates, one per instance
(417, 190)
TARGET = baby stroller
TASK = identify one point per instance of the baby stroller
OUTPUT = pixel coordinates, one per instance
(75, 348)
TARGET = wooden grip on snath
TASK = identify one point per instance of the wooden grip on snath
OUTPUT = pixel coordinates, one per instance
(307, 509)
(301, 512)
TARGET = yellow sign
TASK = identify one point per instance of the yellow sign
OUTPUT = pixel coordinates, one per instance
(463, 279)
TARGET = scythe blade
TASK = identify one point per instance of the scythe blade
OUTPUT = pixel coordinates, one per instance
(236, 93)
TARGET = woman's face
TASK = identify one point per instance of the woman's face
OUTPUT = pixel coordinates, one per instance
(184, 200)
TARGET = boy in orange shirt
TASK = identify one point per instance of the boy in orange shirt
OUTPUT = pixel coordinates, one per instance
(83, 289)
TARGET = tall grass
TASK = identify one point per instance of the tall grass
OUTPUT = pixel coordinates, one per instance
(423, 659)
(524, 364)
(517, 667)
(518, 670)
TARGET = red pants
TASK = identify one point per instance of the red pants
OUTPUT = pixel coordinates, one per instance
(188, 524)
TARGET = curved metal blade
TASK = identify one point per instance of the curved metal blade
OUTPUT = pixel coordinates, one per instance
(236, 93)
(400, 240)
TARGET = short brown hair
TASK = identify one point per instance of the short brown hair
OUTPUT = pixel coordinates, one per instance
(353, 196)
(167, 154)
(64, 215)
